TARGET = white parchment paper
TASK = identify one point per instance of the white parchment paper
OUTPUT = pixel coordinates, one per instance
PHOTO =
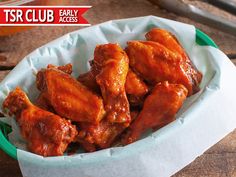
(204, 119)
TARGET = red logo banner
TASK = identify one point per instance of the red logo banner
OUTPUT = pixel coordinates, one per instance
(43, 15)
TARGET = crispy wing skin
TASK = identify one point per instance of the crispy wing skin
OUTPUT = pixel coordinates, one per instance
(65, 68)
(170, 41)
(167, 39)
(112, 65)
(43, 103)
(100, 136)
(159, 109)
(46, 133)
(135, 88)
(68, 97)
(89, 80)
(156, 63)
(42, 100)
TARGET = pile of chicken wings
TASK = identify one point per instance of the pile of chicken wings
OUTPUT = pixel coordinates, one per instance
(125, 93)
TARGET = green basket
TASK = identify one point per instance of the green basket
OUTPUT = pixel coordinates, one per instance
(5, 145)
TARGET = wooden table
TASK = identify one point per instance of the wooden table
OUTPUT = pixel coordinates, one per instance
(219, 160)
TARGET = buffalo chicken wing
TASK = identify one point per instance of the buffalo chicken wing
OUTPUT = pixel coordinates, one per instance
(47, 134)
(156, 63)
(159, 109)
(42, 100)
(68, 97)
(111, 64)
(89, 80)
(65, 68)
(169, 41)
(135, 88)
(102, 135)
(43, 103)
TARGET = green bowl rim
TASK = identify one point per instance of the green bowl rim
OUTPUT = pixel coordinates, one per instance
(201, 39)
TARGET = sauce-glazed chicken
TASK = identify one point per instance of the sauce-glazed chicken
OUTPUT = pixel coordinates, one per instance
(112, 65)
(47, 134)
(68, 97)
(124, 94)
(169, 41)
(102, 135)
(135, 88)
(163, 60)
(158, 110)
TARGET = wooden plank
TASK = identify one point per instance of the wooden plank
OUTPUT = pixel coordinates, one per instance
(3, 74)
(234, 61)
(8, 166)
(226, 145)
(219, 160)
(211, 165)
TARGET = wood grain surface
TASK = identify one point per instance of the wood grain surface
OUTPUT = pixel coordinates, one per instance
(218, 161)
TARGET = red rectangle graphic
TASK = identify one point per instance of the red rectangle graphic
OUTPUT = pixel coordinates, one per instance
(43, 15)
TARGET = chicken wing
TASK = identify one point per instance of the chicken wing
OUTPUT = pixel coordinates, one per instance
(135, 88)
(42, 100)
(89, 80)
(43, 103)
(46, 133)
(65, 68)
(169, 41)
(68, 97)
(112, 65)
(156, 63)
(159, 109)
(100, 136)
